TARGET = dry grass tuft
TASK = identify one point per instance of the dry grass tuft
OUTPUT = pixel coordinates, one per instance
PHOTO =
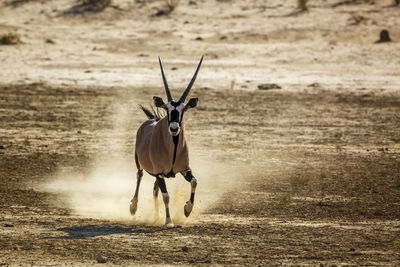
(171, 4)
(299, 180)
(10, 38)
(397, 181)
(302, 5)
(285, 199)
(357, 19)
(96, 3)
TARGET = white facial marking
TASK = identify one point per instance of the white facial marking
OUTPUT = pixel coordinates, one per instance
(169, 106)
(174, 125)
(178, 108)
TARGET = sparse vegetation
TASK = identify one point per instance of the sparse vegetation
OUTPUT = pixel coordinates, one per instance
(18, 2)
(169, 7)
(338, 135)
(299, 180)
(356, 19)
(285, 199)
(339, 148)
(10, 38)
(97, 3)
(302, 5)
(171, 4)
(397, 181)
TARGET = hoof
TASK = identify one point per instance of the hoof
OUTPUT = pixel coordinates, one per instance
(133, 206)
(169, 223)
(188, 208)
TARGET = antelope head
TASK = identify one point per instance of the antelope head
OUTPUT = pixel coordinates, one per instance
(176, 109)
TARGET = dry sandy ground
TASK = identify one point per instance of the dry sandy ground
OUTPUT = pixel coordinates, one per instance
(303, 175)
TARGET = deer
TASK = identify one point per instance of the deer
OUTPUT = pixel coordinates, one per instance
(161, 148)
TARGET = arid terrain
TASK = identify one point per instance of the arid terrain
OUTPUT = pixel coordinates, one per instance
(295, 141)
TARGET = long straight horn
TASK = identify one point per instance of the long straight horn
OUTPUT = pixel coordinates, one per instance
(165, 81)
(187, 90)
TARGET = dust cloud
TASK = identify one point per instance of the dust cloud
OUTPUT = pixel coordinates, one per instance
(104, 191)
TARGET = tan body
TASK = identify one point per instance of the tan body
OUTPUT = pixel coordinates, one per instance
(155, 148)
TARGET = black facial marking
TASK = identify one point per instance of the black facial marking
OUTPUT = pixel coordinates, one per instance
(175, 104)
(174, 116)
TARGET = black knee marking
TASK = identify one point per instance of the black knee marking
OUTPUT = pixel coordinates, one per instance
(161, 184)
(192, 197)
(188, 176)
(155, 189)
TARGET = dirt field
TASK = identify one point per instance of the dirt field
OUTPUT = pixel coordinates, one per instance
(308, 174)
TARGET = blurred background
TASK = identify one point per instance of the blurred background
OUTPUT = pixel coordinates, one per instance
(246, 43)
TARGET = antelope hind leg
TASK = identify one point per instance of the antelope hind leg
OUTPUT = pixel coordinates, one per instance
(134, 201)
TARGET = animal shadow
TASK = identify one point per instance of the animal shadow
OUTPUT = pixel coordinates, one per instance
(90, 231)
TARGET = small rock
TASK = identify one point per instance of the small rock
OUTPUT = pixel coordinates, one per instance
(160, 13)
(199, 39)
(174, 68)
(50, 41)
(185, 249)
(8, 225)
(2, 147)
(100, 258)
(352, 249)
(268, 86)
(383, 37)
(314, 85)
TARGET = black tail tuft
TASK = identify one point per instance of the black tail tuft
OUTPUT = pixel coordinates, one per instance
(151, 114)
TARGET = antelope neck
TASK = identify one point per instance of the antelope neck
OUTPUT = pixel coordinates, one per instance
(175, 140)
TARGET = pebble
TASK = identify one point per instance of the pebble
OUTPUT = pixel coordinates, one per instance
(268, 86)
(100, 258)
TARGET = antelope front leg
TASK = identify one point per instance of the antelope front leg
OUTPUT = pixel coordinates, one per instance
(163, 188)
(155, 196)
(134, 201)
(193, 182)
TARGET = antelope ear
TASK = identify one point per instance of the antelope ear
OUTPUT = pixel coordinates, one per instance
(192, 103)
(158, 102)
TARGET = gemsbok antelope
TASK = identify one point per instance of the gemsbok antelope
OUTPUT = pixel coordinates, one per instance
(161, 148)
